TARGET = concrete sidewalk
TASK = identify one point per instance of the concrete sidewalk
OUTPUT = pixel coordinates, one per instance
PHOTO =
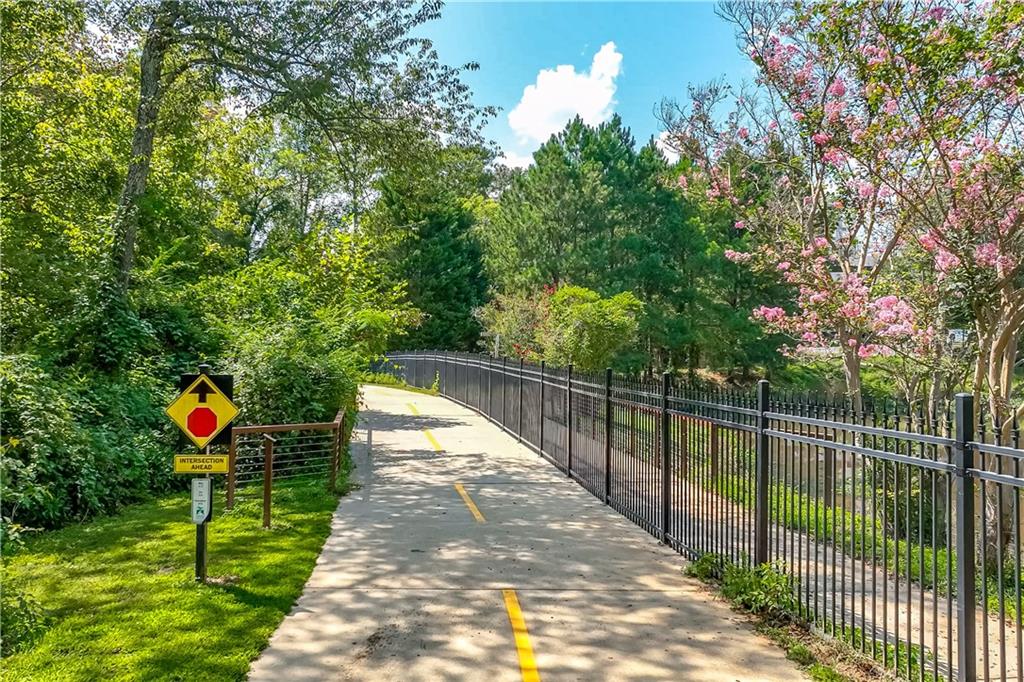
(412, 585)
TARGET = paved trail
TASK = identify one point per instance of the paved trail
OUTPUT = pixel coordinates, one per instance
(465, 556)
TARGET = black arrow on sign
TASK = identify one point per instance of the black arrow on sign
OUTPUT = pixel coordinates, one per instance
(202, 390)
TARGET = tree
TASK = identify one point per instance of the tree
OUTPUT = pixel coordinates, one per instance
(424, 226)
(565, 325)
(351, 69)
(597, 212)
(851, 160)
(585, 330)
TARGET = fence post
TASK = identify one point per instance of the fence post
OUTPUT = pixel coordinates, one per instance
(504, 412)
(519, 428)
(830, 473)
(540, 440)
(568, 421)
(490, 389)
(963, 459)
(761, 478)
(714, 453)
(229, 494)
(666, 459)
(336, 456)
(607, 434)
(268, 476)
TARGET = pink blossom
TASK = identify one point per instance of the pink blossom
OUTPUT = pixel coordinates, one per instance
(683, 182)
(891, 106)
(820, 242)
(784, 265)
(867, 350)
(851, 309)
(743, 133)
(986, 255)
(833, 157)
(738, 256)
(927, 241)
(945, 261)
(852, 343)
(821, 139)
(838, 88)
(769, 314)
(798, 116)
(740, 225)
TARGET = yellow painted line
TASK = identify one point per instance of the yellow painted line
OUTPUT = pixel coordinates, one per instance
(469, 503)
(433, 441)
(426, 432)
(527, 664)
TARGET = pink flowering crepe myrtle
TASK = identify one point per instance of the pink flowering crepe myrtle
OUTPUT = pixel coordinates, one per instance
(879, 142)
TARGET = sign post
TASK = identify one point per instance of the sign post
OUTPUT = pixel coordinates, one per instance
(202, 512)
(203, 411)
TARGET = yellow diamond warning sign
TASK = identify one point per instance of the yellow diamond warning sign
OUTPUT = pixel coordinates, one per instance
(200, 464)
(202, 411)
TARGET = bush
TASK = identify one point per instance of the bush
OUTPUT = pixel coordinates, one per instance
(289, 376)
(764, 590)
(22, 617)
(708, 567)
(78, 445)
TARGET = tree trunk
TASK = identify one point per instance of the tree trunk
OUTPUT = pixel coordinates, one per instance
(851, 373)
(997, 356)
(151, 64)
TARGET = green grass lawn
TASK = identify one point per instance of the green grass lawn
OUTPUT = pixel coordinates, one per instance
(122, 604)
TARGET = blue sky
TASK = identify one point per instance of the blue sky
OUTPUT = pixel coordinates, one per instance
(590, 58)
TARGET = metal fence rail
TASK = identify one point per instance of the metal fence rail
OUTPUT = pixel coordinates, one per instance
(261, 454)
(899, 533)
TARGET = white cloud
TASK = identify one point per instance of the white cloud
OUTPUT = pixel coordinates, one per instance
(559, 94)
(516, 160)
(662, 143)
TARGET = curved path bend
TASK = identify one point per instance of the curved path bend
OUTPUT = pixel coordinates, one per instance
(463, 555)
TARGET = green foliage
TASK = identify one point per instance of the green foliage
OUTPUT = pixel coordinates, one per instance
(800, 654)
(707, 567)
(23, 620)
(569, 325)
(765, 590)
(583, 329)
(597, 212)
(424, 228)
(245, 257)
(77, 447)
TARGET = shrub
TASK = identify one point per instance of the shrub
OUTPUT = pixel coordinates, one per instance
(77, 445)
(764, 590)
(23, 620)
(708, 567)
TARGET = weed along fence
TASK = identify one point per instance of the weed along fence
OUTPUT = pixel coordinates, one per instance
(897, 533)
(259, 455)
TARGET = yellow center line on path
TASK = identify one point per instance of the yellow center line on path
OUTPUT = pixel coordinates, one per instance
(469, 503)
(426, 432)
(527, 665)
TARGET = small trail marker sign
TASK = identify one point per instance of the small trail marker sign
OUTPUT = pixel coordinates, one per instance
(202, 411)
(200, 464)
(202, 500)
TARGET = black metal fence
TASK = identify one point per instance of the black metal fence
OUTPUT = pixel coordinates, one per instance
(899, 534)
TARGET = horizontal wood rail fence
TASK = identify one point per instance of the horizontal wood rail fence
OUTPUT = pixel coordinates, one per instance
(293, 451)
(898, 532)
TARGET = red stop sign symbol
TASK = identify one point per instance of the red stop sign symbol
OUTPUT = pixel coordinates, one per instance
(202, 422)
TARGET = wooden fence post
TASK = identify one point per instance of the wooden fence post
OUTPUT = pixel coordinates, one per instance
(229, 499)
(268, 476)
